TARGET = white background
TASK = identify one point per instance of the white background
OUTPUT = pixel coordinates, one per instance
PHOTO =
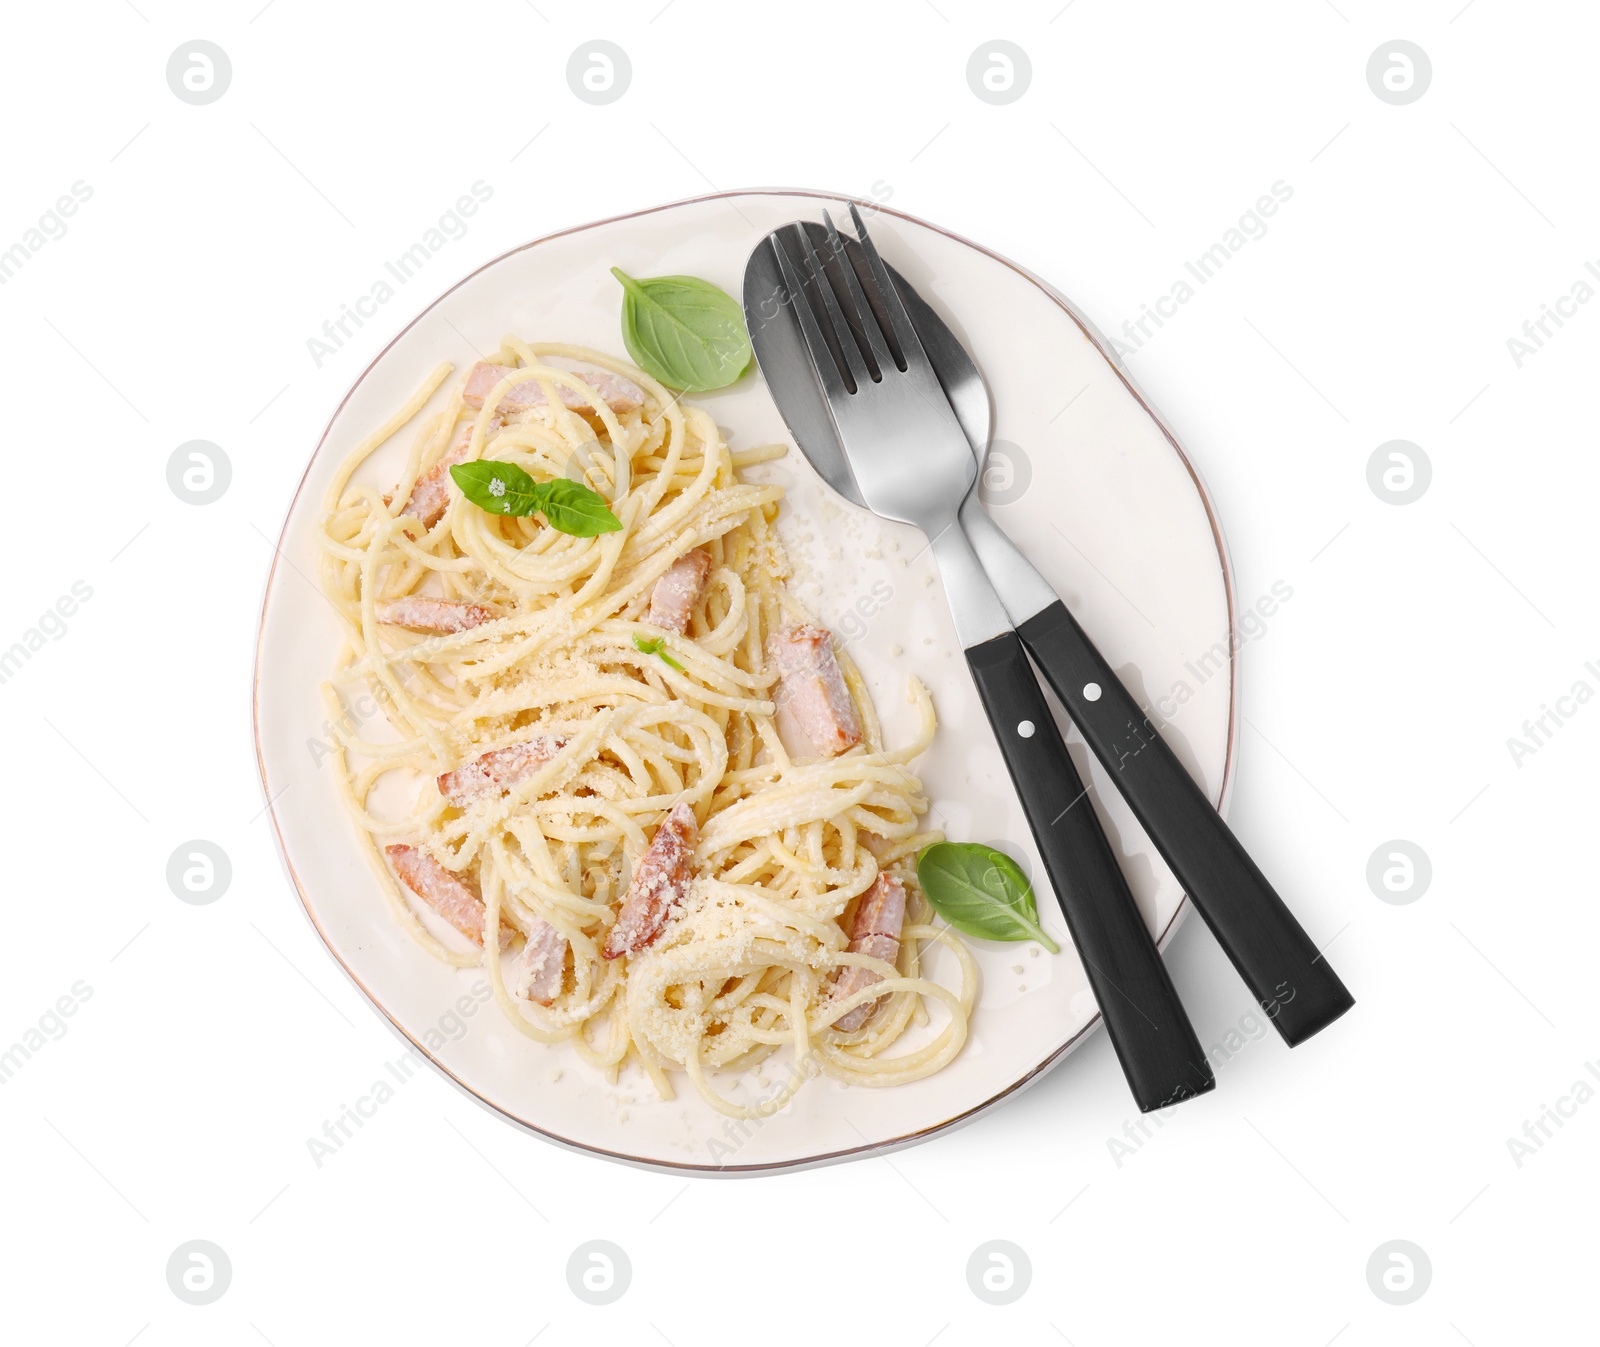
(217, 1039)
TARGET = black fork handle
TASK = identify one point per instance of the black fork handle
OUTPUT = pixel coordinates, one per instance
(1154, 1041)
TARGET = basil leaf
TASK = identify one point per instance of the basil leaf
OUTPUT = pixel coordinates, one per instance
(683, 331)
(981, 892)
(499, 488)
(656, 645)
(571, 507)
(504, 488)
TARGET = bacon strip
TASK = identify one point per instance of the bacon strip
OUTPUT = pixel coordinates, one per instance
(678, 590)
(659, 884)
(619, 394)
(455, 899)
(499, 769)
(418, 612)
(876, 931)
(430, 497)
(536, 972)
(813, 688)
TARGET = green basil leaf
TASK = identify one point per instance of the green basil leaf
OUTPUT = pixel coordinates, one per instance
(504, 488)
(683, 331)
(571, 507)
(656, 645)
(981, 892)
(499, 488)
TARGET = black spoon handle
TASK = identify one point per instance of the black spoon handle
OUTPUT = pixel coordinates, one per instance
(1154, 1041)
(1277, 959)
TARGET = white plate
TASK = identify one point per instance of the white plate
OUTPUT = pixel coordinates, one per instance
(1100, 496)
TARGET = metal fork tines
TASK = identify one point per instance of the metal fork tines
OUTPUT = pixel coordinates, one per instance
(885, 399)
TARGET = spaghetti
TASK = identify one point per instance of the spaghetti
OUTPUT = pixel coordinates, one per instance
(609, 721)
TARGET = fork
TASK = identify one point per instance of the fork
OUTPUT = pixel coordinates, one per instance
(913, 464)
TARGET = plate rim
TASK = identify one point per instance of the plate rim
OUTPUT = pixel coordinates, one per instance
(870, 1149)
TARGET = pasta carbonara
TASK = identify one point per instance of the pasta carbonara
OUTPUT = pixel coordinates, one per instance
(600, 806)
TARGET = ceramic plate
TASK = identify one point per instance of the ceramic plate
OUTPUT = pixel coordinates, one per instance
(1086, 479)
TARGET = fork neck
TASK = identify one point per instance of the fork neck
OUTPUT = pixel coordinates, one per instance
(979, 615)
